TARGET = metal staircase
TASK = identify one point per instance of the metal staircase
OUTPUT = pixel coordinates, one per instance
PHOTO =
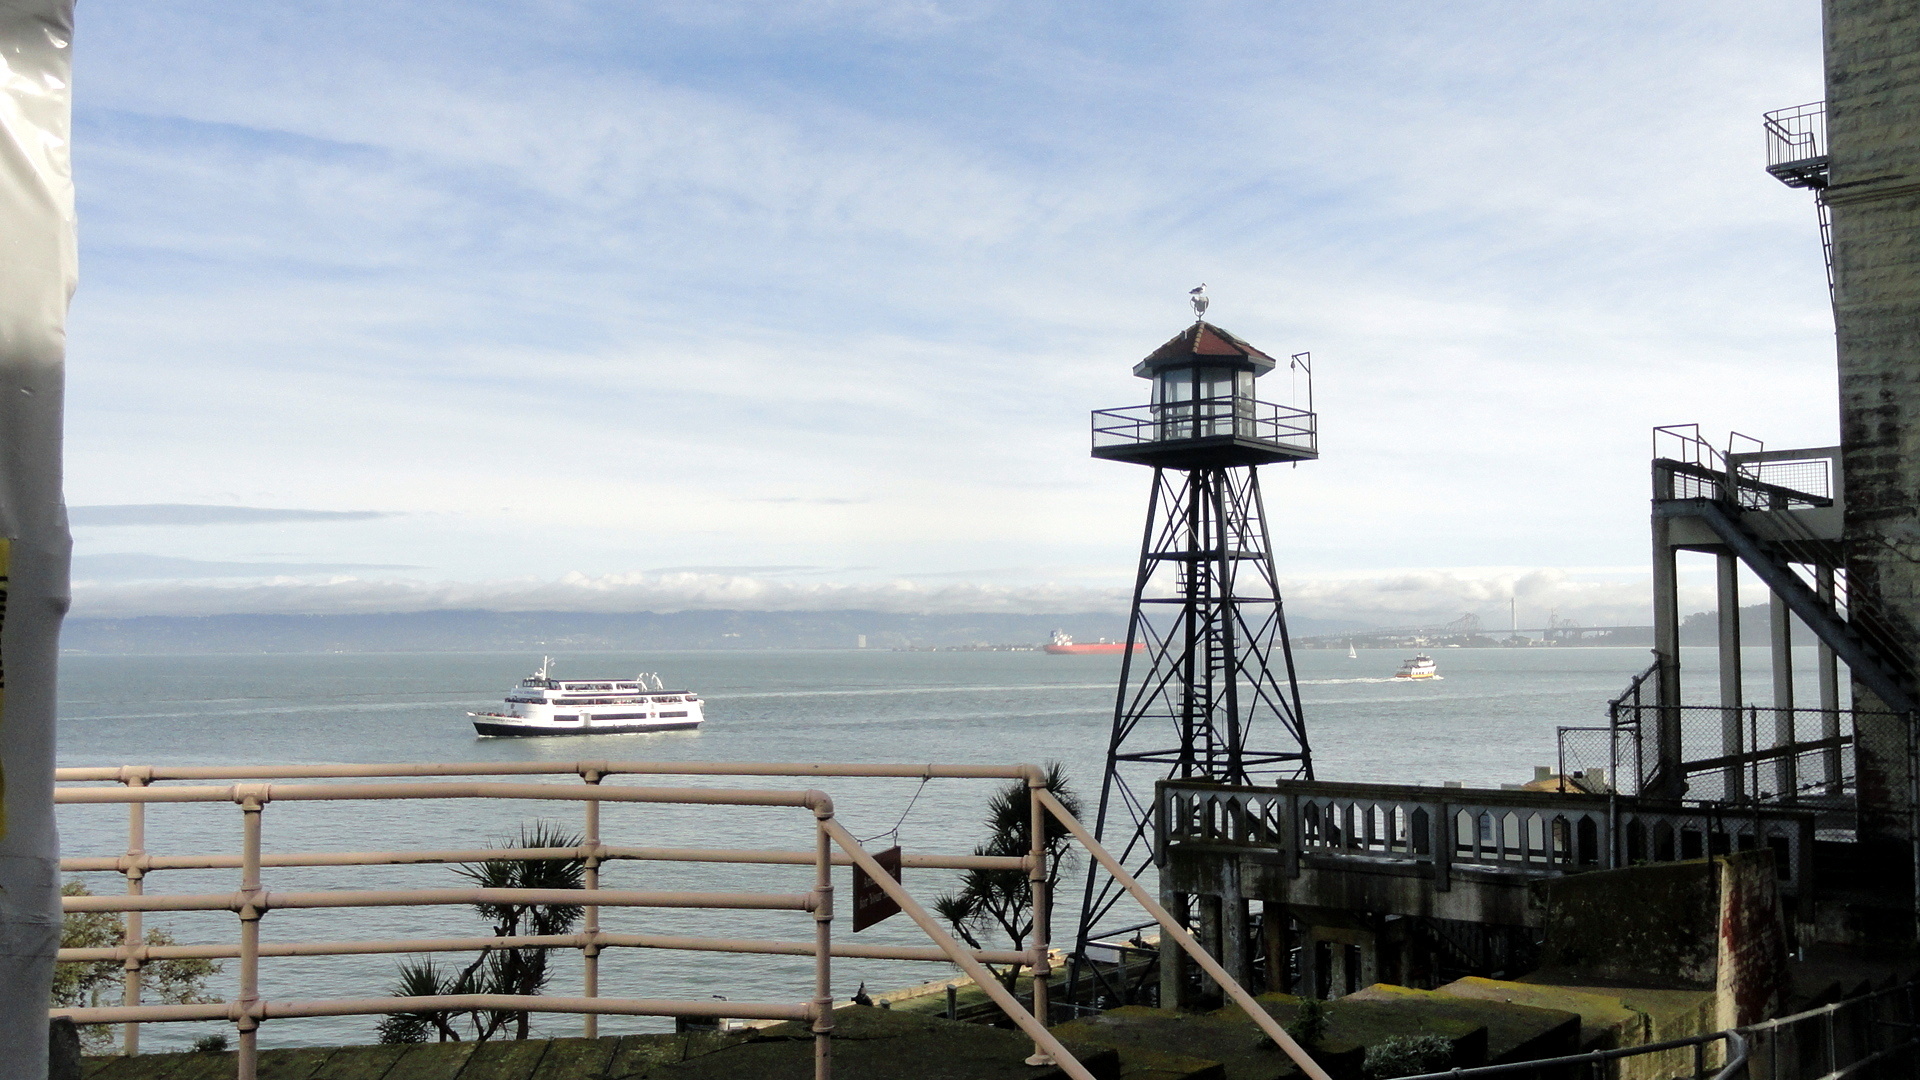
(1863, 648)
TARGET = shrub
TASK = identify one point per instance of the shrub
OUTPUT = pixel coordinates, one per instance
(1407, 1055)
(1309, 1024)
(79, 984)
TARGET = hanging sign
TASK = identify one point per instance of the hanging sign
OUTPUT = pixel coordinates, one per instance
(871, 904)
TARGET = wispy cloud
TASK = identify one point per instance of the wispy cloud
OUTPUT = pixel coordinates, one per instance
(136, 566)
(198, 514)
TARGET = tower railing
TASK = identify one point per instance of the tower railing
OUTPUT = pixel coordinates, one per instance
(1206, 418)
(1797, 144)
(1797, 156)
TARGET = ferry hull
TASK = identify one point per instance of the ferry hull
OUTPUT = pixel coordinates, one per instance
(1098, 647)
(496, 729)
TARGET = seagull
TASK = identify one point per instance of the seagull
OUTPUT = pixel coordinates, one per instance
(1198, 298)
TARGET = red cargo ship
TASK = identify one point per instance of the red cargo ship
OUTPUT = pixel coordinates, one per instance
(1061, 643)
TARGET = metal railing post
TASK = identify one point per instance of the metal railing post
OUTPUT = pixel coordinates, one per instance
(251, 798)
(590, 920)
(135, 931)
(1037, 884)
(823, 942)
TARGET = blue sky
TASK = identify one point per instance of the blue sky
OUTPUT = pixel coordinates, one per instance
(622, 306)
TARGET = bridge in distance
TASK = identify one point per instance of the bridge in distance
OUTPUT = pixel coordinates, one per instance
(1468, 630)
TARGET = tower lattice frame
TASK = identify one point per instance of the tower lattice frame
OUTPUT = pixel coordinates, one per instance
(1202, 700)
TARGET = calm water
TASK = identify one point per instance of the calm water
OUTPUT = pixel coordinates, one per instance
(1487, 721)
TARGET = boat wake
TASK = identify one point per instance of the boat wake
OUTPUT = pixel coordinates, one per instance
(1387, 679)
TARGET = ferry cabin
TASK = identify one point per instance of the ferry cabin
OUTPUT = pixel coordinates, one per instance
(568, 699)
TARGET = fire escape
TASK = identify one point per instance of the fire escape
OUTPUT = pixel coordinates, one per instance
(1797, 157)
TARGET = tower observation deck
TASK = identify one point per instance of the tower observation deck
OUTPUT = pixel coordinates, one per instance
(1203, 412)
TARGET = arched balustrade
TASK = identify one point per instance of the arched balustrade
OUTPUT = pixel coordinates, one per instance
(1532, 833)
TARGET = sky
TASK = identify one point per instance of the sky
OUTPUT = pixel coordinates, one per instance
(803, 304)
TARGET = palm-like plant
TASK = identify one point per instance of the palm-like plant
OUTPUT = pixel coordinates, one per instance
(519, 970)
(1002, 900)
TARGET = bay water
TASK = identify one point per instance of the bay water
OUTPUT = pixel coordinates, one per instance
(1488, 720)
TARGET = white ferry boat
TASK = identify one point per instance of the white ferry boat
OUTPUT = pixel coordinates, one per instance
(1420, 667)
(543, 705)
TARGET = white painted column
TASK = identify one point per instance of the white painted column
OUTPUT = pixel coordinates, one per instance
(37, 273)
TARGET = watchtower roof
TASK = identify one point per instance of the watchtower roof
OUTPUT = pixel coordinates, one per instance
(1204, 343)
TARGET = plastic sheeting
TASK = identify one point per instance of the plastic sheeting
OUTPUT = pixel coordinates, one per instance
(37, 275)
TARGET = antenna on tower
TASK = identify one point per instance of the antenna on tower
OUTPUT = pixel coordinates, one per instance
(1198, 298)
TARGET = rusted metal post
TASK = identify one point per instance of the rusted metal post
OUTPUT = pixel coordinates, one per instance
(251, 798)
(135, 931)
(590, 923)
(823, 941)
(1037, 883)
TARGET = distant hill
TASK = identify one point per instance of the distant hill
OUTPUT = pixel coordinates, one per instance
(1756, 628)
(529, 631)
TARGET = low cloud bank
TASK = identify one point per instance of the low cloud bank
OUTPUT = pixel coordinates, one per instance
(1416, 597)
(1433, 596)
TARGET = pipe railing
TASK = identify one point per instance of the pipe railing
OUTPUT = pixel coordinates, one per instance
(253, 901)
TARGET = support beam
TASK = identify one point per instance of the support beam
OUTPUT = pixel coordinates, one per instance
(1173, 959)
(1669, 781)
(1727, 592)
(1235, 936)
(1828, 667)
(1780, 633)
(1276, 927)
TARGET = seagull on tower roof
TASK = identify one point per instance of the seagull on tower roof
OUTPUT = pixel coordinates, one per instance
(1198, 297)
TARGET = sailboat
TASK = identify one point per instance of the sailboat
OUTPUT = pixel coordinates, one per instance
(1352, 654)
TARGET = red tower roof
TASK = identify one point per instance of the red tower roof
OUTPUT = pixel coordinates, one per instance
(1204, 343)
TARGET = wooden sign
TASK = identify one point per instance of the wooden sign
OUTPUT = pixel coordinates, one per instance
(871, 904)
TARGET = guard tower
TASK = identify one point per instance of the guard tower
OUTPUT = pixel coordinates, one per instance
(1207, 689)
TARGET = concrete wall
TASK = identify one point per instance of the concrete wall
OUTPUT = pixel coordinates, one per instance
(1873, 109)
(1649, 926)
(1715, 924)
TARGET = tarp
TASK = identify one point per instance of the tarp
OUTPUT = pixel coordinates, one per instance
(37, 275)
